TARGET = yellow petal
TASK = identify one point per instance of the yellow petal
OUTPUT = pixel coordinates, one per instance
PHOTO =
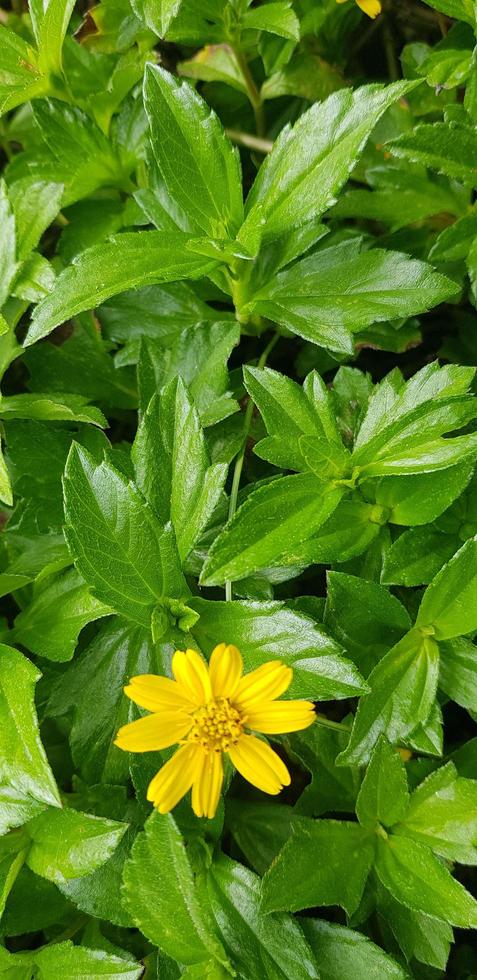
(370, 7)
(259, 764)
(157, 693)
(153, 732)
(280, 716)
(175, 778)
(263, 684)
(207, 785)
(225, 670)
(190, 671)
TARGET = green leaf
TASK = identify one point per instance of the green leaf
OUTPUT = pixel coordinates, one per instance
(417, 556)
(13, 850)
(460, 9)
(398, 198)
(349, 531)
(383, 796)
(443, 814)
(6, 494)
(20, 76)
(420, 936)
(334, 292)
(403, 687)
(8, 248)
(124, 262)
(458, 672)
(289, 412)
(67, 844)
(420, 881)
(276, 18)
(159, 893)
(325, 862)
(272, 522)
(259, 829)
(451, 150)
(61, 606)
(198, 355)
(449, 605)
(449, 62)
(249, 937)
(198, 165)
(173, 467)
(118, 546)
(333, 789)
(119, 651)
(264, 631)
(78, 963)
(51, 408)
(420, 499)
(309, 164)
(158, 14)
(50, 33)
(343, 954)
(393, 401)
(364, 617)
(306, 75)
(454, 243)
(215, 63)
(23, 764)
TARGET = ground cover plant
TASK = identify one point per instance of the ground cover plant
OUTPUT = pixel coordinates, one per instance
(238, 559)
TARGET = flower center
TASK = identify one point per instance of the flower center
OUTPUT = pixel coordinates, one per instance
(217, 726)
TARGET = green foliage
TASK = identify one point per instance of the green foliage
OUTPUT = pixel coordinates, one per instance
(238, 290)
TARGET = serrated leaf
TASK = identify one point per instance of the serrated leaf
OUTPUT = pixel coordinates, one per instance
(276, 18)
(159, 894)
(67, 844)
(249, 937)
(451, 150)
(343, 954)
(267, 630)
(118, 546)
(418, 880)
(325, 862)
(75, 962)
(23, 766)
(458, 672)
(449, 605)
(197, 163)
(442, 814)
(61, 606)
(20, 77)
(331, 294)
(383, 796)
(124, 262)
(272, 522)
(310, 163)
(403, 687)
(173, 466)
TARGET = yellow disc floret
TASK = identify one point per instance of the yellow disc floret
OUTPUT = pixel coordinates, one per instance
(217, 726)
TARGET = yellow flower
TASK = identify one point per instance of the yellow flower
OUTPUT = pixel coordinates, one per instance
(370, 7)
(209, 711)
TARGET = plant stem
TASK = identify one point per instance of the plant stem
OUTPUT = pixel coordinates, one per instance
(393, 64)
(241, 454)
(337, 726)
(251, 142)
(253, 93)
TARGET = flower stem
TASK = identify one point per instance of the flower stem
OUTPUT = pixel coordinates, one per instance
(337, 726)
(241, 454)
